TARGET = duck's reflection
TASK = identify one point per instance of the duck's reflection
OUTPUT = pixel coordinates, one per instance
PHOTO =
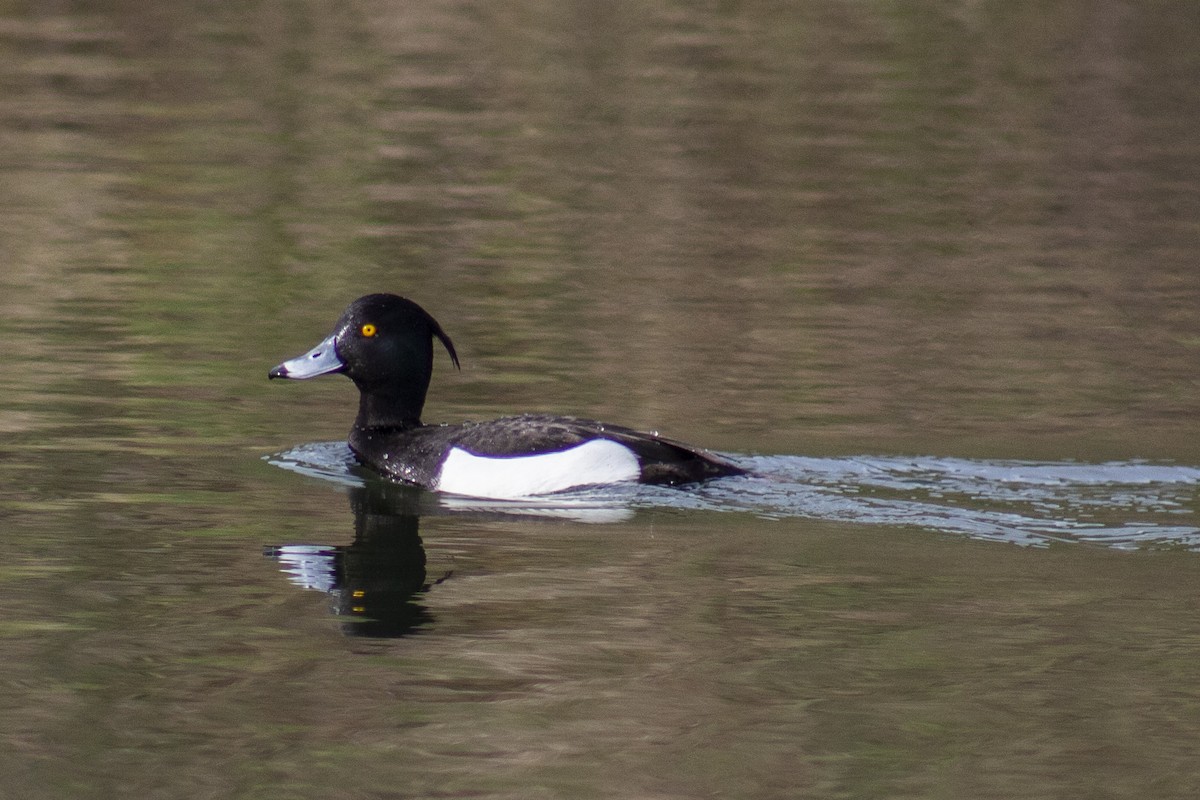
(377, 580)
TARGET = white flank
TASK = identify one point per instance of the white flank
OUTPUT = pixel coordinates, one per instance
(595, 462)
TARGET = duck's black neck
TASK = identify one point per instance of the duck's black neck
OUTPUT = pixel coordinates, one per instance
(395, 408)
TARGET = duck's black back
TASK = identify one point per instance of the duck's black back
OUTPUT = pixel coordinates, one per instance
(416, 454)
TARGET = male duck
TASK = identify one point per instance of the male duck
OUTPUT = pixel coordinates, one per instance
(384, 343)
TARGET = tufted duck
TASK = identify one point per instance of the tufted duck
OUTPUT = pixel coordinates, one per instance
(384, 343)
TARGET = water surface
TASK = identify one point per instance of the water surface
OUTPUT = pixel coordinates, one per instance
(930, 269)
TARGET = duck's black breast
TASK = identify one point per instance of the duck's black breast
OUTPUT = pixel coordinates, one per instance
(415, 455)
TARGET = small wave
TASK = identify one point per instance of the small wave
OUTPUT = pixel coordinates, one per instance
(1121, 504)
(1126, 505)
(327, 461)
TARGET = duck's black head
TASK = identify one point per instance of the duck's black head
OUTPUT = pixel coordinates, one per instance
(384, 343)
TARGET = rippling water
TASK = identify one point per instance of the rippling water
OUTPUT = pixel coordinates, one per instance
(1119, 504)
(930, 269)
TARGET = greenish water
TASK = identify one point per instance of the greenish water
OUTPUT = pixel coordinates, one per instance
(931, 267)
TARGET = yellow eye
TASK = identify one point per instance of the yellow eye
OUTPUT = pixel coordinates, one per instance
(368, 330)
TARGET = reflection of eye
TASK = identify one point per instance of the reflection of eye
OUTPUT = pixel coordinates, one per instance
(368, 330)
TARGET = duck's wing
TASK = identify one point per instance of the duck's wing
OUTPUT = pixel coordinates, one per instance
(662, 460)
